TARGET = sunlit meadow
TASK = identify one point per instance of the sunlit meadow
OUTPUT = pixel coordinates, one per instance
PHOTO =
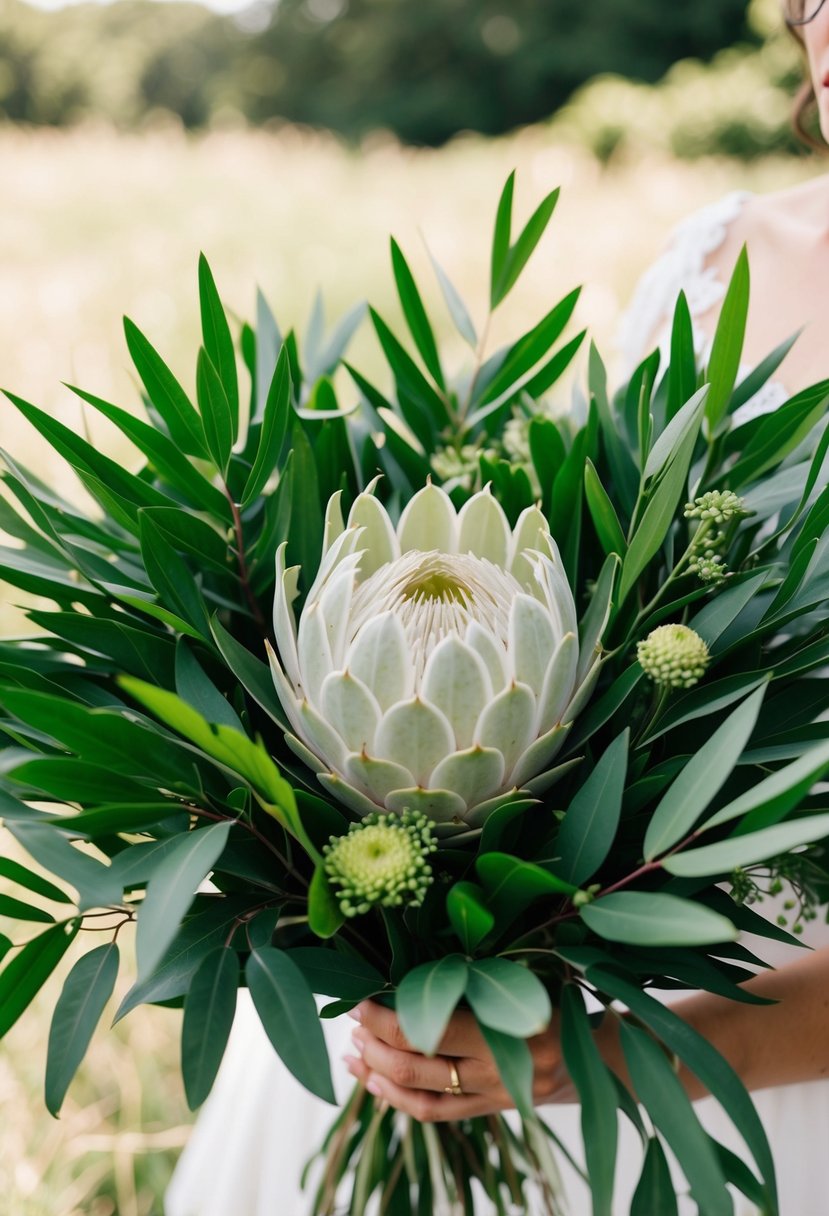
(93, 226)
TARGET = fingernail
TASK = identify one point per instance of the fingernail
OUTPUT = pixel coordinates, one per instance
(352, 1064)
(357, 1043)
(356, 1014)
(374, 1087)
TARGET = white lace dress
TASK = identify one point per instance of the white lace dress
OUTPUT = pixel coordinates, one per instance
(259, 1125)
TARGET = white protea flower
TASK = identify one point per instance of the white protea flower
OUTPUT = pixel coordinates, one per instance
(435, 665)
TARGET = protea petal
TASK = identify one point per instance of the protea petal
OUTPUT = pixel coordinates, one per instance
(351, 710)
(378, 540)
(539, 754)
(429, 522)
(531, 641)
(335, 604)
(416, 735)
(443, 806)
(377, 778)
(529, 534)
(321, 737)
(558, 685)
(507, 724)
(484, 529)
(342, 791)
(584, 692)
(475, 774)
(284, 630)
(315, 659)
(284, 689)
(457, 683)
(334, 525)
(379, 657)
(493, 653)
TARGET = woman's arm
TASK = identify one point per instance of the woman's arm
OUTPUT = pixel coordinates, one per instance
(767, 1045)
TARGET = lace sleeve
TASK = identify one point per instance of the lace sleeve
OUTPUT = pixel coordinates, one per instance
(680, 268)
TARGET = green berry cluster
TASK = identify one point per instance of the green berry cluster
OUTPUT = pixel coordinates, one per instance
(381, 861)
(674, 656)
(460, 466)
(717, 507)
(708, 566)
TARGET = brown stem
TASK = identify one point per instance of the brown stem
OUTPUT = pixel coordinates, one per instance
(244, 573)
(335, 1154)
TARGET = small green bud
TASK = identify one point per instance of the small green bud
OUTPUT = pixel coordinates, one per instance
(381, 861)
(674, 656)
(717, 506)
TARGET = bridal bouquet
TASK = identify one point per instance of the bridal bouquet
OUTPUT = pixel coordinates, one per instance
(459, 696)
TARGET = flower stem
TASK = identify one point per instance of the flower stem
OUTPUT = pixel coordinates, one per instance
(244, 572)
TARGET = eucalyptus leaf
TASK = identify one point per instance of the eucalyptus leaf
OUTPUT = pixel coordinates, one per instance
(85, 993)
(508, 997)
(288, 1014)
(208, 1017)
(426, 999)
(656, 919)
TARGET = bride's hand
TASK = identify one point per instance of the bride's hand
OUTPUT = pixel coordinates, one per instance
(391, 1069)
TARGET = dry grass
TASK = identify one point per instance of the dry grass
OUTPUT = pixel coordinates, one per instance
(92, 226)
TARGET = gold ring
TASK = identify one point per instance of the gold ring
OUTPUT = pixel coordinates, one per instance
(454, 1086)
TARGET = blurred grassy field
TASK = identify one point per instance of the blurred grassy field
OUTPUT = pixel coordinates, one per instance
(94, 225)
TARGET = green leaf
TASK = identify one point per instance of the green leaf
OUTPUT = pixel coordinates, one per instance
(501, 239)
(171, 891)
(209, 1009)
(727, 348)
(285, 1005)
(23, 977)
(426, 1000)
(166, 394)
(702, 778)
(217, 339)
(668, 444)
(130, 645)
(589, 827)
(747, 850)
(468, 914)
(661, 1093)
(330, 973)
(779, 434)
(86, 459)
(305, 540)
(519, 254)
(650, 533)
(97, 887)
(171, 577)
(682, 369)
(413, 387)
(250, 671)
(85, 993)
(274, 429)
(15, 909)
(17, 873)
(508, 997)
(778, 793)
(512, 885)
(715, 1073)
(120, 817)
(325, 917)
(707, 700)
(233, 750)
(515, 1067)
(207, 927)
(597, 1094)
(603, 513)
(524, 354)
(216, 413)
(719, 614)
(457, 309)
(163, 455)
(655, 1194)
(194, 687)
(415, 314)
(655, 919)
